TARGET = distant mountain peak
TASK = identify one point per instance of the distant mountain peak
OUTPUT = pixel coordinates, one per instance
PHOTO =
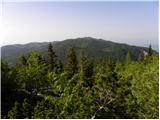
(88, 38)
(95, 49)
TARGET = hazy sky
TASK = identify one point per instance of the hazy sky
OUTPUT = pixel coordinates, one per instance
(127, 22)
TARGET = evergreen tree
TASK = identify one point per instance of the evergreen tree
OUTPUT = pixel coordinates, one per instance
(51, 57)
(128, 57)
(33, 76)
(71, 62)
(53, 61)
(145, 87)
(23, 60)
(82, 64)
(107, 89)
(59, 66)
(85, 68)
(125, 104)
(150, 51)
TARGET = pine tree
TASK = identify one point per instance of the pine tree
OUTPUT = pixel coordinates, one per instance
(71, 62)
(33, 76)
(85, 68)
(82, 64)
(150, 51)
(23, 60)
(59, 66)
(128, 57)
(51, 57)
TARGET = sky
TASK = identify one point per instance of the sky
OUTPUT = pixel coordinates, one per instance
(134, 23)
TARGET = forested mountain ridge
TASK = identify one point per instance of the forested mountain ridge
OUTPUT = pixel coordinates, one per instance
(95, 49)
(43, 88)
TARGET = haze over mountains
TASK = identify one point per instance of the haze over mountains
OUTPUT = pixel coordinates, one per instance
(95, 49)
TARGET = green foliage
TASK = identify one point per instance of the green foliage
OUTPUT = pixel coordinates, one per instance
(32, 77)
(85, 67)
(106, 89)
(145, 87)
(51, 57)
(43, 110)
(23, 61)
(53, 62)
(128, 57)
(8, 87)
(71, 62)
(26, 109)
(15, 112)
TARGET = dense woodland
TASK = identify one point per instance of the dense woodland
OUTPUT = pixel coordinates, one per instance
(38, 87)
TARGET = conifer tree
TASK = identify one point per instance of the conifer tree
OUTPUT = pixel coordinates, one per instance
(53, 61)
(128, 57)
(82, 63)
(71, 62)
(23, 60)
(150, 51)
(59, 66)
(33, 76)
(51, 57)
(85, 68)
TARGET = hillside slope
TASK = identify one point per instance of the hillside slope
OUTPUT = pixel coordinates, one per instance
(94, 48)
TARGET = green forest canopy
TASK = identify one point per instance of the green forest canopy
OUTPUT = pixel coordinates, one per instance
(45, 88)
